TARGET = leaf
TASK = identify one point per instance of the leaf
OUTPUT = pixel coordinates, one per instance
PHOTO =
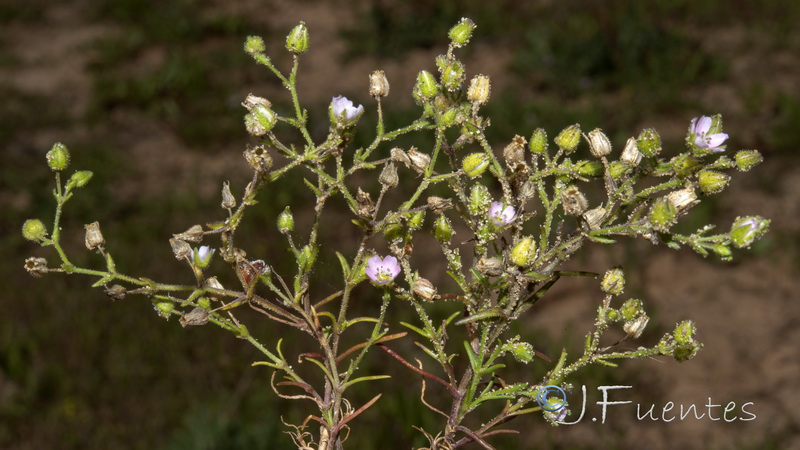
(105, 280)
(419, 331)
(368, 378)
(473, 358)
(600, 239)
(345, 266)
(488, 313)
(312, 187)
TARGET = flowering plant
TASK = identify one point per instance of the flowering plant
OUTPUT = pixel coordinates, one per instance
(510, 254)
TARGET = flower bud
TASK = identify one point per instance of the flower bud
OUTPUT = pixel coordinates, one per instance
(594, 217)
(723, 251)
(747, 159)
(685, 165)
(663, 215)
(479, 90)
(180, 248)
(538, 143)
(475, 164)
(586, 168)
(686, 352)
(93, 238)
(254, 44)
(569, 138)
(490, 266)
(745, 230)
(649, 142)
(631, 153)
(58, 157)
(424, 289)
(34, 230)
(613, 282)
(286, 221)
(258, 159)
(618, 169)
(378, 84)
(416, 220)
(393, 232)
(524, 252)
(297, 40)
(388, 176)
(426, 87)
(419, 160)
(452, 74)
(442, 229)
(712, 182)
(599, 144)
(523, 352)
(635, 327)
(228, 201)
(79, 179)
(202, 256)
(683, 199)
(164, 309)
(684, 332)
(307, 257)
(573, 201)
(461, 33)
(479, 199)
(36, 266)
(630, 309)
(448, 118)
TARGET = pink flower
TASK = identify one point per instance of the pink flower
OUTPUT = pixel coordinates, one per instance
(501, 215)
(701, 139)
(382, 271)
(343, 110)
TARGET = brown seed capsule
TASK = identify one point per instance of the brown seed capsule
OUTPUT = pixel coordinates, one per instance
(439, 204)
(398, 155)
(479, 89)
(258, 159)
(490, 266)
(116, 292)
(180, 248)
(514, 153)
(197, 316)
(378, 84)
(419, 161)
(424, 289)
(94, 238)
(631, 153)
(228, 201)
(193, 234)
(36, 266)
(599, 144)
(573, 201)
(635, 327)
(594, 217)
(388, 176)
(683, 199)
(251, 101)
(364, 202)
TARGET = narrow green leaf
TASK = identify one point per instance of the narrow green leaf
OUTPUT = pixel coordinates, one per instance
(488, 313)
(419, 331)
(369, 378)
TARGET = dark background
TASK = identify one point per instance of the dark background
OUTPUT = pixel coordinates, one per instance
(147, 95)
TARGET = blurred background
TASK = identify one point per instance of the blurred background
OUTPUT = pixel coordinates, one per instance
(147, 95)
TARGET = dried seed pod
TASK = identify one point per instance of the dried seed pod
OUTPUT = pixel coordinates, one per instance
(388, 176)
(419, 160)
(258, 159)
(116, 292)
(514, 153)
(378, 84)
(365, 206)
(36, 266)
(599, 144)
(228, 201)
(594, 217)
(573, 201)
(94, 238)
(631, 153)
(439, 204)
(197, 316)
(193, 234)
(424, 289)
(490, 266)
(683, 199)
(398, 155)
(180, 248)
